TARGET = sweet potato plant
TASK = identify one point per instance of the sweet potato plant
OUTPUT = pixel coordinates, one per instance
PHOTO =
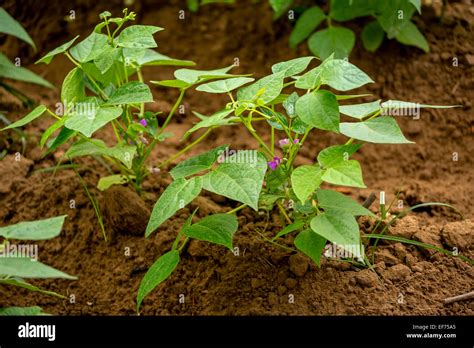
(293, 101)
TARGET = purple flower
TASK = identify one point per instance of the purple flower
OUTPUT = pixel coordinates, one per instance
(283, 142)
(143, 122)
(275, 163)
(296, 141)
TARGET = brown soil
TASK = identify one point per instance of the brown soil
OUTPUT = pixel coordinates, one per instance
(261, 279)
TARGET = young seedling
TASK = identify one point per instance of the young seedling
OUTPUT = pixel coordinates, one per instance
(268, 179)
(391, 19)
(20, 262)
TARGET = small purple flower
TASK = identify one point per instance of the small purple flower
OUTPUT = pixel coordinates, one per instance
(143, 122)
(283, 142)
(275, 163)
(296, 141)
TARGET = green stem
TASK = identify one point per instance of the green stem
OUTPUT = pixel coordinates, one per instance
(236, 209)
(185, 149)
(104, 96)
(173, 110)
(275, 243)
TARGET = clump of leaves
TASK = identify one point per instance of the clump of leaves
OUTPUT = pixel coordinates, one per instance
(292, 101)
(14, 71)
(391, 19)
(16, 266)
(106, 88)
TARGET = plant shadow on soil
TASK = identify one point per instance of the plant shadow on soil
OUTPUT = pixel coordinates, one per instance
(408, 280)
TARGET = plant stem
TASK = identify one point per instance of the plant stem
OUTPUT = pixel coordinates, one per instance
(282, 210)
(185, 149)
(275, 243)
(53, 114)
(173, 109)
(142, 105)
(236, 209)
(90, 78)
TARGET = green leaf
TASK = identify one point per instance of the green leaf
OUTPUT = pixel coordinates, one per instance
(372, 36)
(9, 26)
(360, 111)
(310, 244)
(138, 36)
(395, 107)
(21, 311)
(106, 59)
(193, 5)
(198, 163)
(96, 147)
(217, 229)
(351, 96)
(152, 58)
(381, 130)
(410, 35)
(172, 83)
(224, 86)
(334, 154)
(191, 76)
(133, 92)
(158, 272)
(8, 70)
(293, 66)
(339, 228)
(280, 7)
(64, 135)
(37, 112)
(393, 16)
(34, 230)
(22, 284)
(342, 75)
(29, 268)
(87, 123)
(299, 126)
(336, 201)
(61, 49)
(305, 180)
(266, 89)
(73, 87)
(319, 109)
(176, 196)
(346, 173)
(290, 104)
(241, 181)
(417, 4)
(295, 226)
(107, 181)
(345, 10)
(337, 40)
(51, 129)
(306, 24)
(215, 120)
(89, 48)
